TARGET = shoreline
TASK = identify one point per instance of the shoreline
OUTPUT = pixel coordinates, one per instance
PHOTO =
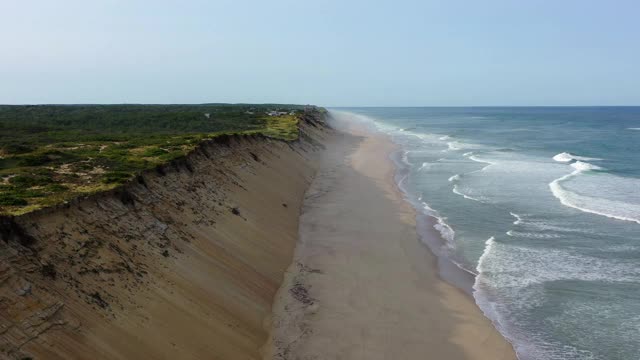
(448, 270)
(362, 284)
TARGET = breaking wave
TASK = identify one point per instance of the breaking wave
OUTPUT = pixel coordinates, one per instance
(614, 209)
(569, 157)
(518, 218)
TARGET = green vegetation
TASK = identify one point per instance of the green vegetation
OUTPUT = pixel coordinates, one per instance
(282, 127)
(52, 153)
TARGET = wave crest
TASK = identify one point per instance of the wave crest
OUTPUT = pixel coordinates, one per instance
(584, 166)
(569, 157)
(614, 209)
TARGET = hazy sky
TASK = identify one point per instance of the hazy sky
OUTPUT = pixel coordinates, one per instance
(332, 53)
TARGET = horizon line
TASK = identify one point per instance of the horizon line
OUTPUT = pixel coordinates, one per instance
(326, 106)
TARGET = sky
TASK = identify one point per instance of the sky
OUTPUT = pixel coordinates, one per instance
(324, 52)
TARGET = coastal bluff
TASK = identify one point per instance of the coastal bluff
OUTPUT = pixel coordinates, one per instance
(183, 262)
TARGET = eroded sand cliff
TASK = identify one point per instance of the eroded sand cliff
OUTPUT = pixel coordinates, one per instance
(182, 263)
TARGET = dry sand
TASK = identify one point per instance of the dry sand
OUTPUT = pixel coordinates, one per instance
(361, 285)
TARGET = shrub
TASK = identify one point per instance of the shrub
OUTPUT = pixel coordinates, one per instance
(154, 151)
(34, 160)
(27, 181)
(56, 188)
(115, 177)
(11, 200)
(16, 149)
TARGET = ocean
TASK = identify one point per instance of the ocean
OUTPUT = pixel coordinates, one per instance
(542, 205)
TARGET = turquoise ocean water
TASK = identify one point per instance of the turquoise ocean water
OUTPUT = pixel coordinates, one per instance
(543, 206)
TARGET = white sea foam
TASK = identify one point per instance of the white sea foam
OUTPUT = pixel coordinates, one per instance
(467, 193)
(518, 218)
(504, 286)
(547, 226)
(532, 224)
(537, 226)
(615, 209)
(480, 287)
(569, 157)
(415, 134)
(446, 231)
(505, 262)
(456, 190)
(424, 166)
(484, 161)
(467, 154)
(584, 166)
(456, 145)
(405, 158)
(533, 235)
(633, 129)
(428, 210)
(443, 228)
(603, 207)
(563, 157)
(485, 253)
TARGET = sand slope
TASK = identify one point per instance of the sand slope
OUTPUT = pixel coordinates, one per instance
(181, 264)
(361, 285)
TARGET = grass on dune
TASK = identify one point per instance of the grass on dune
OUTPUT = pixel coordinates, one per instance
(50, 154)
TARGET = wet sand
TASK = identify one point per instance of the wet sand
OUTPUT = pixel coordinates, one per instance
(361, 285)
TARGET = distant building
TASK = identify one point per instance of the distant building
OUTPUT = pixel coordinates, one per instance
(277, 113)
(207, 115)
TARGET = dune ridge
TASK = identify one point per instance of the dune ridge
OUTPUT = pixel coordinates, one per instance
(183, 262)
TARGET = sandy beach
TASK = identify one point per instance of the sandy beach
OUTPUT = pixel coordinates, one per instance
(361, 285)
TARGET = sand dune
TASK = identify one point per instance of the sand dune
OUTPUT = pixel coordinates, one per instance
(181, 264)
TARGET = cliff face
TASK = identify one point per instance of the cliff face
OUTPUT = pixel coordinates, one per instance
(182, 263)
